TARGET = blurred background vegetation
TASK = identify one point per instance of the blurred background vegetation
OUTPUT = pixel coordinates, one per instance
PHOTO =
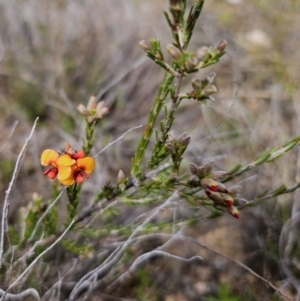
(55, 54)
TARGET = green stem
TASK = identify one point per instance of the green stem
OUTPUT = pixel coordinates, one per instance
(167, 124)
(89, 137)
(72, 206)
(155, 109)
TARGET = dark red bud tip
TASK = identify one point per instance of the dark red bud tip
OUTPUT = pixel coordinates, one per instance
(235, 215)
(208, 193)
(228, 203)
(213, 188)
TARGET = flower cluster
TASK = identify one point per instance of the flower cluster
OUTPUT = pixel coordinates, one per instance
(93, 111)
(176, 147)
(216, 191)
(69, 166)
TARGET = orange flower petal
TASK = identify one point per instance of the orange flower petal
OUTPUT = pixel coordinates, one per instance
(68, 182)
(64, 160)
(48, 157)
(86, 164)
(64, 172)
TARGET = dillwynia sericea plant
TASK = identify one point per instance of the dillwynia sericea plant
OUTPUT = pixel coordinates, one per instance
(107, 248)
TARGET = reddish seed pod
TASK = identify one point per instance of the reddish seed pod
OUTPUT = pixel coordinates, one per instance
(221, 187)
(215, 196)
(233, 211)
(210, 184)
(228, 200)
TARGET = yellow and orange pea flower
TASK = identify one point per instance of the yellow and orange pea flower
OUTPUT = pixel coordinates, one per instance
(69, 167)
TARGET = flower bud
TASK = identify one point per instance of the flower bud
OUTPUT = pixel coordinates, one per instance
(170, 147)
(209, 90)
(92, 103)
(221, 187)
(191, 63)
(201, 172)
(215, 196)
(228, 200)
(82, 109)
(210, 77)
(201, 52)
(171, 137)
(145, 45)
(174, 52)
(184, 139)
(196, 83)
(240, 201)
(218, 174)
(208, 166)
(210, 184)
(121, 176)
(222, 46)
(233, 211)
(193, 168)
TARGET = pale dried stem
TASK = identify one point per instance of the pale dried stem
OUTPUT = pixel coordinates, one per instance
(103, 269)
(29, 294)
(171, 237)
(9, 190)
(37, 259)
(144, 259)
(121, 137)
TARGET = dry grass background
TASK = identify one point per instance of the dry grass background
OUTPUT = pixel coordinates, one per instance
(55, 54)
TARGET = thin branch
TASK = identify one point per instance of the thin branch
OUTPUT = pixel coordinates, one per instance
(120, 76)
(8, 191)
(167, 237)
(113, 142)
(37, 259)
(223, 117)
(29, 294)
(104, 268)
(273, 194)
(131, 182)
(29, 254)
(197, 242)
(244, 267)
(144, 259)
